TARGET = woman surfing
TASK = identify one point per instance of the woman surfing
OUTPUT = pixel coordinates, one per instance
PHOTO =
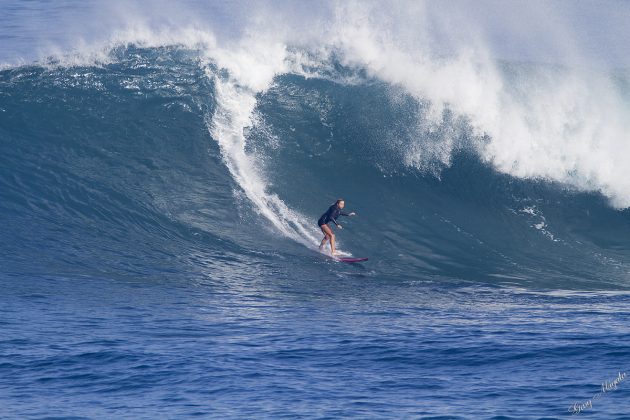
(331, 215)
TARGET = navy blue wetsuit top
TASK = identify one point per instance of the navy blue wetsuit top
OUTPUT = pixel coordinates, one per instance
(331, 215)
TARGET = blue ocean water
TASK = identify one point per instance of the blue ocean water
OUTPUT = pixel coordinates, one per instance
(159, 247)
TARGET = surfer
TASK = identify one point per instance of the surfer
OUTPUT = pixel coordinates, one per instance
(331, 215)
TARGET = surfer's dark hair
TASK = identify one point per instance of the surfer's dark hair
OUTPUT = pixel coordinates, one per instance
(338, 200)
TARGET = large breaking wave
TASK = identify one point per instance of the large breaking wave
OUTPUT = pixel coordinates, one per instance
(459, 165)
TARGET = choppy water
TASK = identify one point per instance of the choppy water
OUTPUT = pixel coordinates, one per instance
(158, 259)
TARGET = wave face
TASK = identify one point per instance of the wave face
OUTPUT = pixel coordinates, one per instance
(163, 149)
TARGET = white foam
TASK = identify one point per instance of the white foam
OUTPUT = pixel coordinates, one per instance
(250, 70)
(233, 114)
(565, 124)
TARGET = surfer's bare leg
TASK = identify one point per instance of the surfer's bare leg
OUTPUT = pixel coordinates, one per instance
(332, 245)
(329, 236)
(323, 243)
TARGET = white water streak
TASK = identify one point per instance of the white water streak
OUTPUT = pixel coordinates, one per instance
(234, 113)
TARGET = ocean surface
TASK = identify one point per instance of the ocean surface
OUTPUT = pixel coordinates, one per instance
(159, 193)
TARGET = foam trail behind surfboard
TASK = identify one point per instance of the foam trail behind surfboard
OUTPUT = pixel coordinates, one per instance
(236, 102)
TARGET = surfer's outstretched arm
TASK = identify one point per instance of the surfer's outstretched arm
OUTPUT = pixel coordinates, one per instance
(342, 214)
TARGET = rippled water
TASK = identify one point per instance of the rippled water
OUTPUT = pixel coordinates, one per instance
(346, 346)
